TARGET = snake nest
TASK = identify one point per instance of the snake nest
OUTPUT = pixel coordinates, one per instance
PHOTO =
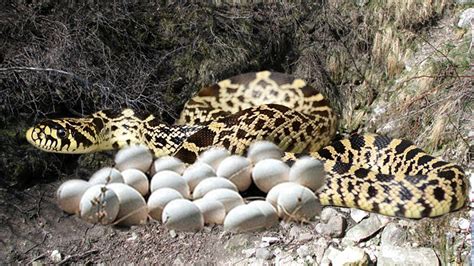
(370, 172)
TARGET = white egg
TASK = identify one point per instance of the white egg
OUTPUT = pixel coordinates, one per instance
(270, 213)
(213, 156)
(272, 195)
(158, 200)
(106, 175)
(168, 163)
(99, 205)
(172, 180)
(244, 218)
(268, 173)
(182, 215)
(261, 150)
(298, 203)
(69, 194)
(237, 169)
(227, 197)
(133, 209)
(308, 172)
(212, 183)
(196, 173)
(136, 179)
(137, 157)
(212, 210)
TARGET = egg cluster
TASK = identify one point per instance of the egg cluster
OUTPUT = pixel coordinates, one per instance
(186, 197)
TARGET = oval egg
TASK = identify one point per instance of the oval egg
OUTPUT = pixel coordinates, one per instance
(99, 205)
(261, 150)
(137, 180)
(136, 157)
(229, 198)
(196, 173)
(106, 175)
(158, 200)
(132, 209)
(237, 169)
(213, 156)
(212, 183)
(268, 173)
(170, 179)
(168, 163)
(212, 210)
(182, 215)
(308, 172)
(244, 218)
(270, 213)
(69, 194)
(298, 203)
(272, 195)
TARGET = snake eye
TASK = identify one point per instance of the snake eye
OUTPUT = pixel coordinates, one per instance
(61, 133)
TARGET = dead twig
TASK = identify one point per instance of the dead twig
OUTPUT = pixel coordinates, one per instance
(78, 256)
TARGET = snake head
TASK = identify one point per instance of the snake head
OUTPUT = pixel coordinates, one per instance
(61, 136)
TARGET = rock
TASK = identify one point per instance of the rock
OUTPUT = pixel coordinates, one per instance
(390, 255)
(173, 233)
(320, 247)
(248, 252)
(55, 256)
(327, 213)
(351, 256)
(464, 2)
(305, 237)
(335, 227)
(361, 3)
(268, 240)
(463, 224)
(365, 229)
(393, 235)
(466, 18)
(303, 251)
(263, 253)
(295, 232)
(329, 255)
(237, 242)
(358, 215)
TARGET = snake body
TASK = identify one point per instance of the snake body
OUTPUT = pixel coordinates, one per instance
(370, 172)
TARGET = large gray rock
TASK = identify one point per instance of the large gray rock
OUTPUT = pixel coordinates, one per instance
(327, 213)
(335, 227)
(263, 253)
(365, 228)
(320, 247)
(351, 256)
(329, 255)
(358, 215)
(464, 2)
(467, 18)
(391, 255)
(393, 235)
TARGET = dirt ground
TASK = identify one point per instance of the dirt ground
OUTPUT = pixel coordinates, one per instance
(34, 226)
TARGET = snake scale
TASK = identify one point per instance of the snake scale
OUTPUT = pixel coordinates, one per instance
(370, 172)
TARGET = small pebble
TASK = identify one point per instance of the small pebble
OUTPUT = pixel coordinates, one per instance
(55, 256)
(263, 253)
(464, 224)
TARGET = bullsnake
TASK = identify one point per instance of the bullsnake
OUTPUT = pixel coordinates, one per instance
(370, 172)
